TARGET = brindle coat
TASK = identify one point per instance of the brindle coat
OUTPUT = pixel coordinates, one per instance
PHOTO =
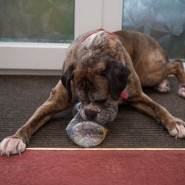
(96, 70)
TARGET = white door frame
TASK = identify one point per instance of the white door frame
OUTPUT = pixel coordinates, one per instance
(47, 59)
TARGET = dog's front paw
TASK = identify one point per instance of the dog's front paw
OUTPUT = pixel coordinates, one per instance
(177, 128)
(181, 92)
(10, 146)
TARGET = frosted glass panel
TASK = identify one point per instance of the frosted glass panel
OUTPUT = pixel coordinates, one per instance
(37, 20)
(162, 19)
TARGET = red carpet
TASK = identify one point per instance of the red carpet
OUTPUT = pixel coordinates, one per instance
(90, 167)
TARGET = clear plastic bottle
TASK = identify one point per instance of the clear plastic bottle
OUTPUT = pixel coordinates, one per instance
(85, 133)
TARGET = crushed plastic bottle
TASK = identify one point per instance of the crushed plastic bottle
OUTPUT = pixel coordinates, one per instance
(85, 133)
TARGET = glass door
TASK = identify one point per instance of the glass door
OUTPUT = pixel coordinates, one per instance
(163, 20)
(43, 21)
(35, 35)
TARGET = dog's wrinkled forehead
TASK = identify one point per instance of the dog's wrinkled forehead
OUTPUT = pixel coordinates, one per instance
(89, 69)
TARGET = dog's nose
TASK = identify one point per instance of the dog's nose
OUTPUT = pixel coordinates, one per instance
(90, 114)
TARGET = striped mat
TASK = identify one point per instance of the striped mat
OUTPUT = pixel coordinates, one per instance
(20, 96)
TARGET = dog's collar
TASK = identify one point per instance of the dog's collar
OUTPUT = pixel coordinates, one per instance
(123, 96)
(96, 31)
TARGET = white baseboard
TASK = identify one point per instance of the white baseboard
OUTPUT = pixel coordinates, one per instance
(30, 72)
(34, 72)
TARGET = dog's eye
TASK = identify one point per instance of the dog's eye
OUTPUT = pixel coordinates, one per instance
(100, 100)
(102, 73)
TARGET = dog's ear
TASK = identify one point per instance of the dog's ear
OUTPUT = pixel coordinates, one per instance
(66, 80)
(117, 75)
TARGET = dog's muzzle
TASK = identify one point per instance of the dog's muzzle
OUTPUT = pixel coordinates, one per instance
(99, 115)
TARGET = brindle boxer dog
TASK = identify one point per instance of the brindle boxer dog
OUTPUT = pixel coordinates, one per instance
(97, 69)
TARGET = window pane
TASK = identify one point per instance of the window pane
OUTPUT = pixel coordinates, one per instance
(164, 20)
(37, 20)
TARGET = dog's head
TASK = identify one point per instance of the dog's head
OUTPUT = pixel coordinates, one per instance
(98, 85)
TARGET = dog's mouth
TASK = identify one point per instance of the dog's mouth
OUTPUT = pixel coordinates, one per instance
(100, 116)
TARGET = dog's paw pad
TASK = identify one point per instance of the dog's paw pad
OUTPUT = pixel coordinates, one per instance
(10, 146)
(181, 92)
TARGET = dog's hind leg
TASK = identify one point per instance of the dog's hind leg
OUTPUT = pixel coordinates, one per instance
(163, 87)
(176, 68)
